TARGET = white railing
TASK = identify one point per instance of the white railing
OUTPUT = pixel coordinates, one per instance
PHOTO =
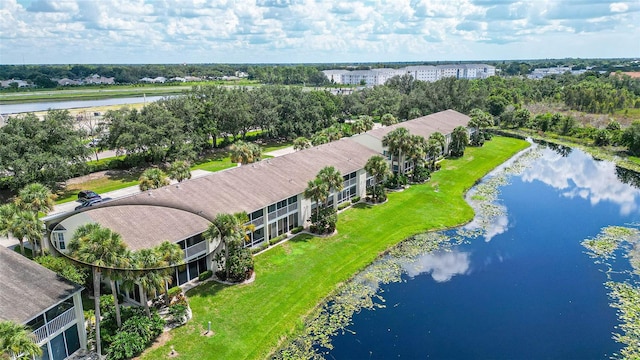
(40, 334)
(61, 320)
(194, 250)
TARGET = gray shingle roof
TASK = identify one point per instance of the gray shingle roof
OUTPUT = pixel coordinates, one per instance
(145, 226)
(443, 122)
(28, 289)
(254, 186)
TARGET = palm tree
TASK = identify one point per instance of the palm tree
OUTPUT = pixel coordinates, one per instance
(179, 170)
(388, 119)
(17, 341)
(171, 255)
(438, 137)
(317, 191)
(480, 120)
(397, 141)
(319, 139)
(152, 179)
(332, 177)
(151, 279)
(245, 153)
(22, 224)
(6, 214)
(228, 228)
(121, 259)
(433, 150)
(301, 143)
(94, 246)
(459, 141)
(378, 167)
(416, 150)
(35, 197)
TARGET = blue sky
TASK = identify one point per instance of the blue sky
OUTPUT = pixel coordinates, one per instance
(304, 31)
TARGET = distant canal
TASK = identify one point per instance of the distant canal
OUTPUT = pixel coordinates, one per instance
(525, 289)
(43, 106)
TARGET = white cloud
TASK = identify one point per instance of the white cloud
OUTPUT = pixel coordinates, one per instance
(442, 266)
(581, 177)
(618, 7)
(322, 30)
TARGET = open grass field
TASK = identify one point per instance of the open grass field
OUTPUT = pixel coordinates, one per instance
(108, 91)
(114, 180)
(250, 321)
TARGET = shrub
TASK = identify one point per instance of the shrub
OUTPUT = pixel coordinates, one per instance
(344, 205)
(355, 199)
(395, 181)
(178, 311)
(106, 304)
(420, 174)
(297, 229)
(277, 239)
(262, 246)
(137, 332)
(174, 291)
(205, 275)
(325, 222)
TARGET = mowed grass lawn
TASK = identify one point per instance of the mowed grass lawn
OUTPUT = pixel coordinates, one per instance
(251, 320)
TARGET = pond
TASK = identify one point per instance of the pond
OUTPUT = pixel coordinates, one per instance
(46, 105)
(516, 283)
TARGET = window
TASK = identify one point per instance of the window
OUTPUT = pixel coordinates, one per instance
(58, 237)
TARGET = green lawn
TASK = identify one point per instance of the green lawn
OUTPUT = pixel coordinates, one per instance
(100, 185)
(249, 321)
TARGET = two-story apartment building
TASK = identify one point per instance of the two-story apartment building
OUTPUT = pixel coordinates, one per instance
(48, 304)
(270, 191)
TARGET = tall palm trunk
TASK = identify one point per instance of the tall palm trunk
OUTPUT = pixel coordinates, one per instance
(167, 301)
(96, 300)
(226, 259)
(145, 301)
(115, 302)
(21, 241)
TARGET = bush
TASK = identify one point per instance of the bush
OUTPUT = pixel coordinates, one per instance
(174, 291)
(277, 239)
(178, 312)
(395, 181)
(137, 332)
(262, 246)
(325, 222)
(420, 174)
(355, 199)
(205, 275)
(106, 304)
(344, 205)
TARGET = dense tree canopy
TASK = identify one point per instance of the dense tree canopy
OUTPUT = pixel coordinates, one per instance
(44, 151)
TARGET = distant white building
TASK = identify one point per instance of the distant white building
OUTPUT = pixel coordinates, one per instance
(7, 83)
(542, 72)
(97, 79)
(421, 72)
(335, 76)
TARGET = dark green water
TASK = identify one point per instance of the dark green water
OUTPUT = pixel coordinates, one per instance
(526, 290)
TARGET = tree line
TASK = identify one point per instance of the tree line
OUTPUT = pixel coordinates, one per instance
(184, 127)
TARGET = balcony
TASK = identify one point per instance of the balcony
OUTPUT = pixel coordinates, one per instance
(195, 250)
(55, 325)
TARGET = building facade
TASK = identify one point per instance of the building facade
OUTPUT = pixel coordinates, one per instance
(48, 304)
(270, 192)
(428, 73)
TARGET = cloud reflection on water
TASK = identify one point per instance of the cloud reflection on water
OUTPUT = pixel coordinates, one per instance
(442, 266)
(577, 175)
